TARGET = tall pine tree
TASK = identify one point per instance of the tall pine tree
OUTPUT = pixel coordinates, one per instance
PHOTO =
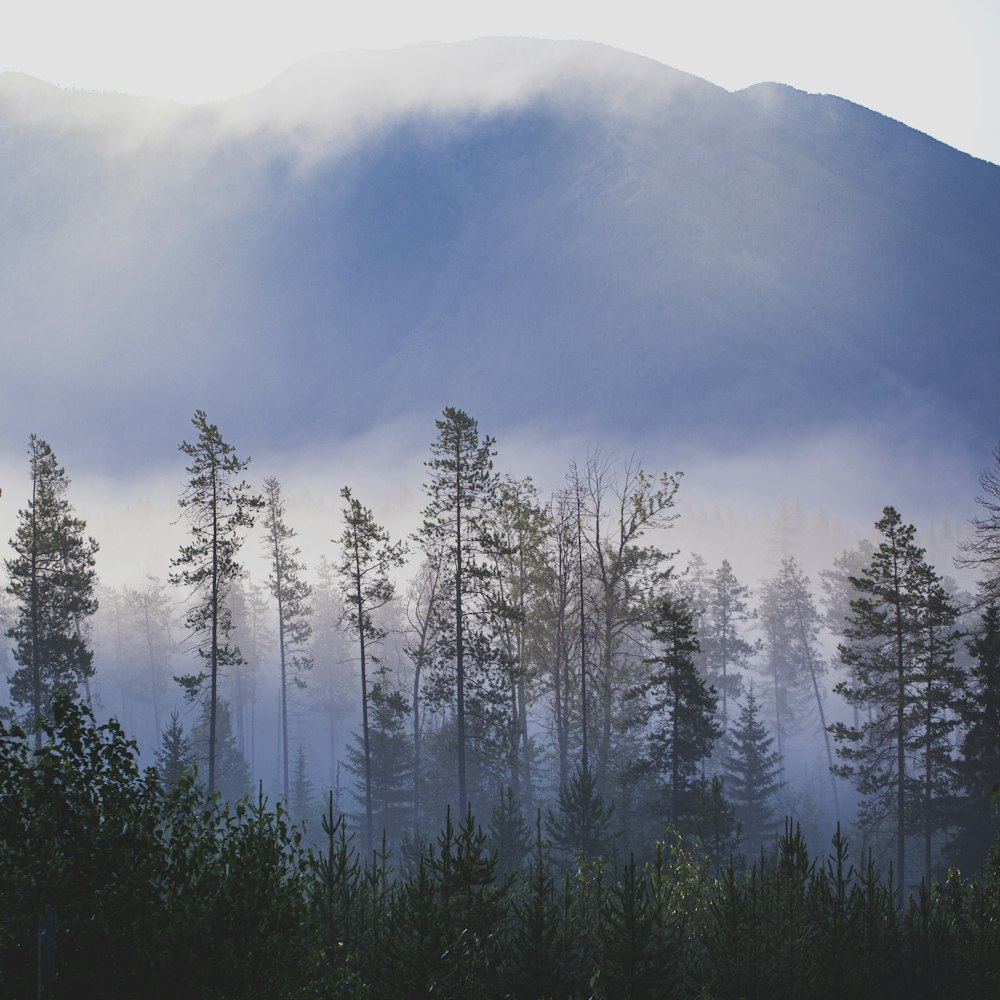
(291, 593)
(220, 509)
(461, 491)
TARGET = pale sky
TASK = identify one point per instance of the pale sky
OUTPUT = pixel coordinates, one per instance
(930, 63)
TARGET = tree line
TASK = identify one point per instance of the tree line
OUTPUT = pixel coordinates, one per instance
(547, 658)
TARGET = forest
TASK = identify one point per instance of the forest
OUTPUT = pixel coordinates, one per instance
(518, 752)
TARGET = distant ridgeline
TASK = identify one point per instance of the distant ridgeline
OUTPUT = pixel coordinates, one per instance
(569, 232)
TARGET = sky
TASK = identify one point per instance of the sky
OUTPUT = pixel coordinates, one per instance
(928, 63)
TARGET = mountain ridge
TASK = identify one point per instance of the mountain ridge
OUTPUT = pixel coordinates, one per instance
(737, 266)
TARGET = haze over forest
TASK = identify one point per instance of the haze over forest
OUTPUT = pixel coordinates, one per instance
(786, 297)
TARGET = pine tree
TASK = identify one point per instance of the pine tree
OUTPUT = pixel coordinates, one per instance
(52, 580)
(935, 694)
(291, 593)
(519, 526)
(889, 649)
(219, 510)
(753, 774)
(368, 556)
(460, 490)
(979, 765)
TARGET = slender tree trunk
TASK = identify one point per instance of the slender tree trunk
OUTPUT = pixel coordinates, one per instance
(214, 694)
(416, 738)
(459, 660)
(369, 822)
(819, 707)
(583, 629)
(928, 742)
(152, 666)
(675, 775)
(36, 653)
(900, 747)
(284, 674)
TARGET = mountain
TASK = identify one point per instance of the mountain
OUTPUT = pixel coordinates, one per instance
(551, 233)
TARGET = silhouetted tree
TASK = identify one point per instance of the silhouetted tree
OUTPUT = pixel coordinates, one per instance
(232, 774)
(581, 822)
(219, 510)
(978, 818)
(677, 707)
(460, 489)
(753, 775)
(368, 556)
(174, 756)
(51, 579)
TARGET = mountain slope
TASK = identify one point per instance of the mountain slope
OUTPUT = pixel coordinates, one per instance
(550, 232)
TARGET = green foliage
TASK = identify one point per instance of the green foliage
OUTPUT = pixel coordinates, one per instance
(177, 890)
(103, 860)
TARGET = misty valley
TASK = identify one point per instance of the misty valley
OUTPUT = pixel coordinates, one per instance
(521, 751)
(686, 684)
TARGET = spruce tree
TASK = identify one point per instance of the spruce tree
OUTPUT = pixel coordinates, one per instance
(581, 825)
(753, 774)
(382, 764)
(174, 756)
(51, 580)
(368, 556)
(725, 647)
(507, 834)
(232, 773)
(302, 801)
(219, 509)
(677, 707)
